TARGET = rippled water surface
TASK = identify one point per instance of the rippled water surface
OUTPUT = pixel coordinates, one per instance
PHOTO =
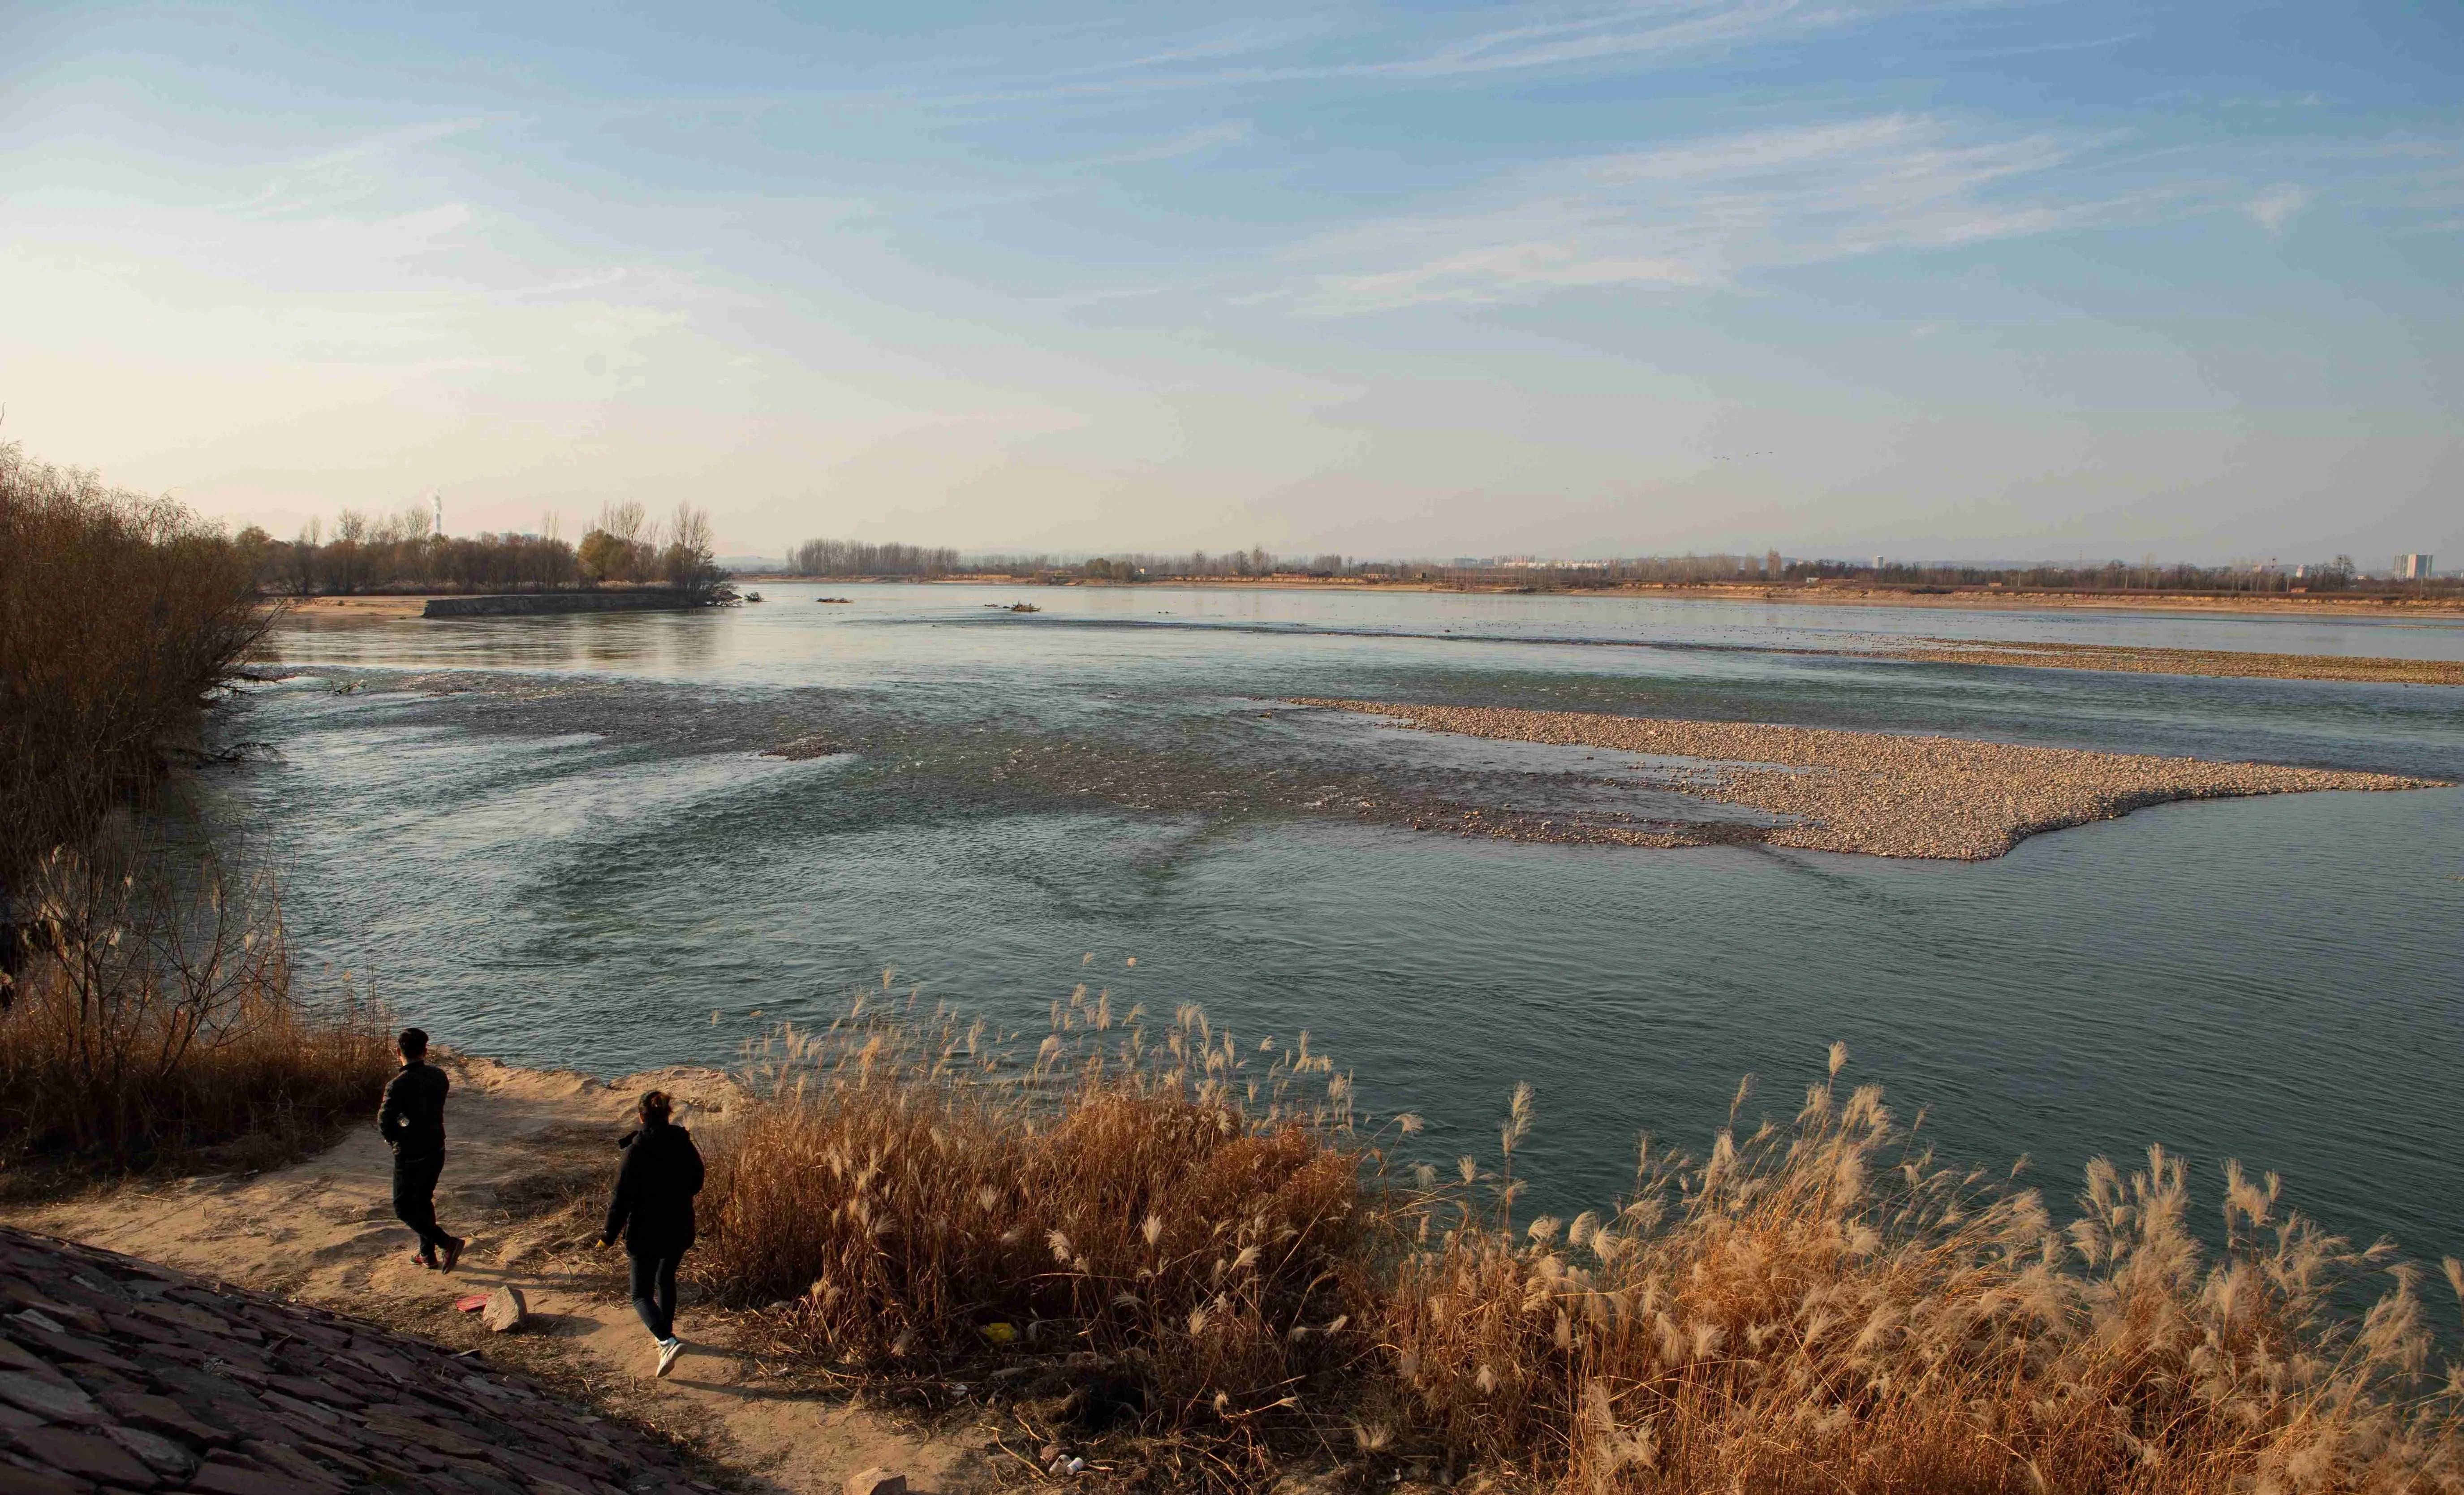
(556, 840)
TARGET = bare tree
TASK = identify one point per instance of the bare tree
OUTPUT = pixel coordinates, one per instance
(690, 557)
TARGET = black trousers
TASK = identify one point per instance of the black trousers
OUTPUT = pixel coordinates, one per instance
(414, 1199)
(654, 1292)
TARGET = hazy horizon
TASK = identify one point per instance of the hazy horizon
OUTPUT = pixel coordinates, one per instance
(1958, 281)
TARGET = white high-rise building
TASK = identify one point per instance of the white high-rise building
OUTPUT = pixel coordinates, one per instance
(2413, 567)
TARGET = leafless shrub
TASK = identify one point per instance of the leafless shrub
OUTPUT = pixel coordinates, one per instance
(155, 1019)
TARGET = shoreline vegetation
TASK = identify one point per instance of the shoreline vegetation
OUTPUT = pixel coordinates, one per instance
(406, 554)
(147, 1017)
(1189, 1259)
(1877, 793)
(1171, 1232)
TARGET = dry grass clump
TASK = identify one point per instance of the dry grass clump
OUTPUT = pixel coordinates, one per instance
(1819, 1306)
(1194, 1233)
(154, 1023)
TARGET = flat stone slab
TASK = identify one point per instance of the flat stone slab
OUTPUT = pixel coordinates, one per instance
(119, 1375)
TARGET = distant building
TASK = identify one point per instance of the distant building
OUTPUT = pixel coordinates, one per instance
(2413, 567)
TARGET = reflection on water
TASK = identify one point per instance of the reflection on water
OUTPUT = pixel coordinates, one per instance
(556, 840)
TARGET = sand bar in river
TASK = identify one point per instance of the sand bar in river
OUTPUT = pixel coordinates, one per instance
(2134, 659)
(1884, 795)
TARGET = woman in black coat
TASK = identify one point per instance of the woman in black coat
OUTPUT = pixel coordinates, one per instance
(653, 1208)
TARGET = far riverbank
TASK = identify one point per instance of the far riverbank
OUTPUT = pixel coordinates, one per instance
(1812, 594)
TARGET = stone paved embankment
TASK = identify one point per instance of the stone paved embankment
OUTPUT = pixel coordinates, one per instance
(116, 1374)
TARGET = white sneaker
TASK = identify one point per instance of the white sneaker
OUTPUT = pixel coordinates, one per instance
(668, 1348)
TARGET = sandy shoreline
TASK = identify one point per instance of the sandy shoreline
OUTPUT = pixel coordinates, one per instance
(521, 1143)
(1879, 794)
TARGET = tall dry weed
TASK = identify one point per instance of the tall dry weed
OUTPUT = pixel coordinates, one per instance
(1820, 1305)
(154, 1020)
(1189, 1219)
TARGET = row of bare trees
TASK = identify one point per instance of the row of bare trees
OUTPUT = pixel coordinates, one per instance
(403, 552)
(856, 557)
(627, 546)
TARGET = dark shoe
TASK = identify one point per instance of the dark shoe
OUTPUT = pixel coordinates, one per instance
(453, 1251)
(423, 1258)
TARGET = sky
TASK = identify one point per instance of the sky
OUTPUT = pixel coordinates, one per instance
(2039, 279)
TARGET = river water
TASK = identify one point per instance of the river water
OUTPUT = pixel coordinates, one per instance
(557, 841)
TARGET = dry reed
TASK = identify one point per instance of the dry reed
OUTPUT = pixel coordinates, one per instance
(1821, 1307)
(155, 1022)
(1189, 1226)
(1817, 1306)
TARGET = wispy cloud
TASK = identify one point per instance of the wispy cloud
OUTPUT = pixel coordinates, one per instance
(1398, 48)
(2275, 208)
(1707, 212)
(354, 171)
(1625, 32)
(1189, 143)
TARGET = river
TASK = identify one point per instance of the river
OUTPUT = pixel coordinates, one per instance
(555, 841)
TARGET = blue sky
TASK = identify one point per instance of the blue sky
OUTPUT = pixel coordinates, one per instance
(2023, 279)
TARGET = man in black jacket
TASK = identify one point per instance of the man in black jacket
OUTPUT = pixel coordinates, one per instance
(413, 1119)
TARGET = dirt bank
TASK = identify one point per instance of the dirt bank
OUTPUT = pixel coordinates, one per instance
(529, 1155)
(1883, 795)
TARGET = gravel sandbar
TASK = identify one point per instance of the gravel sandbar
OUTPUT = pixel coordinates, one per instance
(1884, 795)
(2225, 663)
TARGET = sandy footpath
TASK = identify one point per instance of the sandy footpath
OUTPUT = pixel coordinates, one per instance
(520, 1144)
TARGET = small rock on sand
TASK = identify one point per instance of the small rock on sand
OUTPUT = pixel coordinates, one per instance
(506, 1312)
(877, 1482)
